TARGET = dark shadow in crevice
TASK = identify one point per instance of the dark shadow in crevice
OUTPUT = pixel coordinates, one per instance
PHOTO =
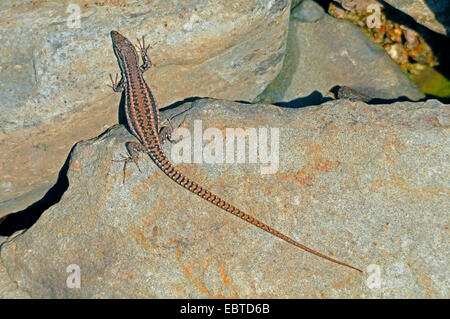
(244, 102)
(325, 4)
(445, 100)
(178, 103)
(174, 110)
(402, 98)
(439, 15)
(24, 219)
(315, 98)
(374, 101)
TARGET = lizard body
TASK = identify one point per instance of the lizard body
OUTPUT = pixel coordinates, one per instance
(143, 119)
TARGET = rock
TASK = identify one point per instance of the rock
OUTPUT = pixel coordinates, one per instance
(333, 52)
(8, 289)
(345, 92)
(365, 184)
(359, 6)
(308, 11)
(295, 3)
(434, 14)
(53, 75)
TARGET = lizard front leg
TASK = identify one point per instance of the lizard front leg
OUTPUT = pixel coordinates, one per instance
(146, 63)
(116, 86)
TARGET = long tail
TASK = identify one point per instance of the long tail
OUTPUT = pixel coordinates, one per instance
(161, 160)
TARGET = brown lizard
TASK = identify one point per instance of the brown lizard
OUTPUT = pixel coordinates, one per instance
(143, 119)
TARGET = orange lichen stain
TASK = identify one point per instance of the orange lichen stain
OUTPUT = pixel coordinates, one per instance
(128, 275)
(316, 148)
(227, 280)
(399, 183)
(385, 253)
(179, 252)
(324, 165)
(150, 179)
(75, 165)
(315, 163)
(178, 242)
(346, 280)
(434, 121)
(305, 181)
(127, 173)
(378, 183)
(139, 237)
(188, 269)
(430, 290)
(99, 255)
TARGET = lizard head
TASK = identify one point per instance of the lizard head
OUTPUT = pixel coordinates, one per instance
(122, 46)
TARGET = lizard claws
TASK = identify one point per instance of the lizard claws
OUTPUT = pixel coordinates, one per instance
(141, 45)
(126, 160)
(114, 83)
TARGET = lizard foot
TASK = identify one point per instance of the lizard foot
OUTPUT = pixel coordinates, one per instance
(126, 160)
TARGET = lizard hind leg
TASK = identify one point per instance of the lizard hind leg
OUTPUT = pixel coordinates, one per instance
(133, 149)
(165, 132)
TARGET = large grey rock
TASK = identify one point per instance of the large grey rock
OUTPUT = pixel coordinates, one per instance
(434, 14)
(53, 77)
(332, 52)
(365, 184)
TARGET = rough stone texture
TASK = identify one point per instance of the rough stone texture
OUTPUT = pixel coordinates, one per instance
(53, 78)
(434, 14)
(334, 52)
(9, 289)
(295, 3)
(358, 6)
(308, 11)
(366, 184)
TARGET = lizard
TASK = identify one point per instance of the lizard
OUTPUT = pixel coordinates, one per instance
(143, 119)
